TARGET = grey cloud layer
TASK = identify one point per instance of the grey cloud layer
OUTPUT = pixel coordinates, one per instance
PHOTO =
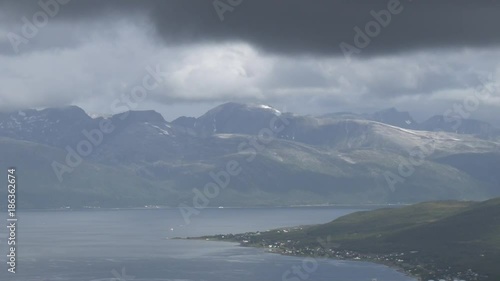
(298, 26)
(282, 52)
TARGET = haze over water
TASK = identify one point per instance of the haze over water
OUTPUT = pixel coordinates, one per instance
(132, 244)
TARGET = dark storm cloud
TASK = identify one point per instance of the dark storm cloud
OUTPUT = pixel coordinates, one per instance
(299, 26)
(282, 52)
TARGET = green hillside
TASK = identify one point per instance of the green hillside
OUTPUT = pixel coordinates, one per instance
(433, 240)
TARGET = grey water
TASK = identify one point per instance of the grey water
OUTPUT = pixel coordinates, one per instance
(134, 244)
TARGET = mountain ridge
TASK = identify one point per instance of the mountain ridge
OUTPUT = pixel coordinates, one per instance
(286, 159)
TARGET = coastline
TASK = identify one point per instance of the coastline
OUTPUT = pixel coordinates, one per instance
(277, 251)
(166, 207)
(388, 264)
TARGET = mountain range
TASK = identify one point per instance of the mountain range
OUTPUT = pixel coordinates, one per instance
(66, 158)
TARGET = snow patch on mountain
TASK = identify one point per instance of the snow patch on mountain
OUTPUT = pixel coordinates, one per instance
(162, 131)
(267, 107)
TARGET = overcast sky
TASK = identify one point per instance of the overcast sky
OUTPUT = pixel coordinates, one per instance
(426, 58)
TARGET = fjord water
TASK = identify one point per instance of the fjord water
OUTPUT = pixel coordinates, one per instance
(133, 244)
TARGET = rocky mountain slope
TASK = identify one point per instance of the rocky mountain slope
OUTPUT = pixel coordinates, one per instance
(66, 158)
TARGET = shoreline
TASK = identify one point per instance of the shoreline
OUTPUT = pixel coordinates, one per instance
(158, 207)
(283, 253)
(390, 265)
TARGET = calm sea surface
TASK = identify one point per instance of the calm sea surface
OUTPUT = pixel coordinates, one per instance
(125, 245)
